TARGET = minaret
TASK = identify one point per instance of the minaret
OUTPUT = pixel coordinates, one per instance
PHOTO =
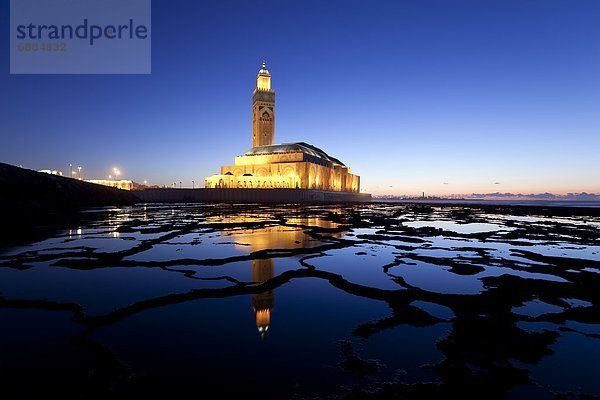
(263, 109)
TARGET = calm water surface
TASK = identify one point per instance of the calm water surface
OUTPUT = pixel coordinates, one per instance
(373, 301)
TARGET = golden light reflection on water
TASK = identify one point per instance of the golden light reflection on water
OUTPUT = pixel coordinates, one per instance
(276, 237)
(271, 237)
(75, 232)
(263, 303)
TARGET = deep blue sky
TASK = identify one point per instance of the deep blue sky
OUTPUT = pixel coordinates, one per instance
(410, 94)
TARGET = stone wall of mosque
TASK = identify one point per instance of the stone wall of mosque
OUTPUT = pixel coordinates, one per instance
(299, 175)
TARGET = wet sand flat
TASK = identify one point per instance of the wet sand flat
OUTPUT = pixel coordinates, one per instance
(368, 301)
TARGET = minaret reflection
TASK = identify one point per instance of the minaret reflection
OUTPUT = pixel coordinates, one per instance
(263, 303)
(273, 237)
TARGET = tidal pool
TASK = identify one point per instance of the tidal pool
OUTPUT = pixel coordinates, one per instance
(304, 302)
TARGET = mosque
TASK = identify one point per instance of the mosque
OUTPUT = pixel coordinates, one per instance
(290, 165)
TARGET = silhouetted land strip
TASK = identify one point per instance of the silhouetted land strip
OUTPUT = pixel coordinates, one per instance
(30, 199)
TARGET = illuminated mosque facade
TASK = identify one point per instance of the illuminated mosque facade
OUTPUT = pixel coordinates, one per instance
(290, 165)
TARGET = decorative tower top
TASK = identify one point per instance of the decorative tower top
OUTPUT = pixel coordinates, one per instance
(264, 69)
(263, 80)
(263, 109)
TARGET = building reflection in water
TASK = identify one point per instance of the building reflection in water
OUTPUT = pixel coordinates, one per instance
(270, 237)
(263, 303)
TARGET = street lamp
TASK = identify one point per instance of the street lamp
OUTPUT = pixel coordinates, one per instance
(79, 168)
(71, 167)
(193, 185)
(117, 173)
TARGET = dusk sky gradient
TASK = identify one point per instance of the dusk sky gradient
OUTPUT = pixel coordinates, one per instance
(424, 95)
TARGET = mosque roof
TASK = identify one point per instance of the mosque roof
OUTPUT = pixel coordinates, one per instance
(293, 147)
